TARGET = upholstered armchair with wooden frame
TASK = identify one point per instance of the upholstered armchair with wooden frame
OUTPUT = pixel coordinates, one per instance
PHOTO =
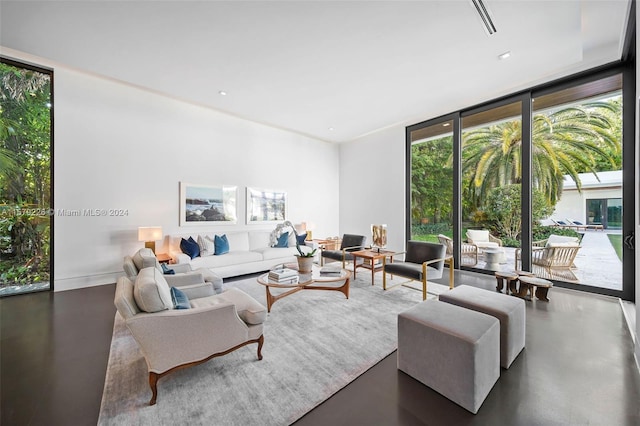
(350, 242)
(423, 261)
(171, 337)
(468, 251)
(145, 258)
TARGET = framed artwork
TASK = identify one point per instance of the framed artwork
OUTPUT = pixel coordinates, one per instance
(266, 206)
(208, 204)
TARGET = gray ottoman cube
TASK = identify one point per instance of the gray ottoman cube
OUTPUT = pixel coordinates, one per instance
(454, 351)
(509, 310)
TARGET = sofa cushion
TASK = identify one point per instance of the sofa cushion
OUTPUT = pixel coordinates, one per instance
(190, 247)
(221, 244)
(206, 245)
(283, 240)
(151, 291)
(562, 241)
(238, 241)
(180, 300)
(269, 253)
(259, 239)
(144, 258)
(478, 235)
(231, 258)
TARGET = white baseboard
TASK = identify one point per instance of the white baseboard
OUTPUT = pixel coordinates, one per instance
(74, 283)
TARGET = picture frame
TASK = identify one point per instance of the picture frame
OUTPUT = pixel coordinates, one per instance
(202, 205)
(266, 206)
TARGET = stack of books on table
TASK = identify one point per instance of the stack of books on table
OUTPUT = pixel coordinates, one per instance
(331, 270)
(284, 275)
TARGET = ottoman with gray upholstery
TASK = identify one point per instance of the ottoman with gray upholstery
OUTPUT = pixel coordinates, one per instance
(508, 309)
(453, 350)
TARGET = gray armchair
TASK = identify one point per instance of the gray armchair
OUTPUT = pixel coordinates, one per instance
(171, 339)
(145, 258)
(423, 261)
(350, 242)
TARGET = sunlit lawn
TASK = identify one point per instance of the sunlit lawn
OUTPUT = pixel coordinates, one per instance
(616, 242)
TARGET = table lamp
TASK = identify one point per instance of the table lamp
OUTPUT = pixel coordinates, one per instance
(150, 234)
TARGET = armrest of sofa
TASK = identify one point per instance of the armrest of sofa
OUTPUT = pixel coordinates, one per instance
(179, 258)
(196, 291)
(180, 280)
(180, 268)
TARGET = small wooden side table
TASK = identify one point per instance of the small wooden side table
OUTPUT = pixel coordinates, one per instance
(372, 255)
(508, 280)
(542, 286)
(163, 258)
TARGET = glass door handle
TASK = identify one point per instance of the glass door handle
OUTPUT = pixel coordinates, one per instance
(628, 241)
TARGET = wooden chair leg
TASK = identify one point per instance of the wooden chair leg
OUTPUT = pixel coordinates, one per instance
(384, 279)
(424, 289)
(260, 343)
(153, 383)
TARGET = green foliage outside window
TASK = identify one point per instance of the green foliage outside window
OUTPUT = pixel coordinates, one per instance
(25, 175)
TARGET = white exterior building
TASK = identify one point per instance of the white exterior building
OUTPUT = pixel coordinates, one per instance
(599, 202)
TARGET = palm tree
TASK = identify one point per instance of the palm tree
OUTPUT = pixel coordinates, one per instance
(565, 142)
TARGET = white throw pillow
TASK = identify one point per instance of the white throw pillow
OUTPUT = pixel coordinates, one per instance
(206, 245)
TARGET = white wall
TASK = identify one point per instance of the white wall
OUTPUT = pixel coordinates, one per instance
(120, 147)
(372, 189)
(573, 204)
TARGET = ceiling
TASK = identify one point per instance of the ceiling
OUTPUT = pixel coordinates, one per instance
(333, 70)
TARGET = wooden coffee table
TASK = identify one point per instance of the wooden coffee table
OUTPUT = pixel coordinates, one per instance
(373, 255)
(306, 281)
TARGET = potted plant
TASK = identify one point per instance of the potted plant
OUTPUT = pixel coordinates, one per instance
(305, 260)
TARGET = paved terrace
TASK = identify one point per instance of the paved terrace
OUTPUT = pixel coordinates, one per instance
(596, 264)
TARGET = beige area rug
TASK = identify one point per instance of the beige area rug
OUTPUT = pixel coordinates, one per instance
(316, 342)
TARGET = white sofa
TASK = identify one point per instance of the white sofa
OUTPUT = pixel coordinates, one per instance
(249, 252)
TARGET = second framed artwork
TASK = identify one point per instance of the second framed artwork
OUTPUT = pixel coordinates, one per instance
(266, 206)
(208, 204)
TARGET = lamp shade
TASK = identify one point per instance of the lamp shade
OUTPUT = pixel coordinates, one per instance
(149, 233)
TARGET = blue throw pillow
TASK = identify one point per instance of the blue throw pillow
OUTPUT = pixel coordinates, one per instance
(301, 238)
(179, 299)
(166, 270)
(221, 244)
(190, 247)
(283, 240)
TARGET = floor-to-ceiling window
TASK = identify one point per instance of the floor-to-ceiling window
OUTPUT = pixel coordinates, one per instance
(432, 182)
(541, 182)
(491, 184)
(26, 142)
(578, 167)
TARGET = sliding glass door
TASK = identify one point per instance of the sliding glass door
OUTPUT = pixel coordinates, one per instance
(491, 185)
(578, 167)
(538, 181)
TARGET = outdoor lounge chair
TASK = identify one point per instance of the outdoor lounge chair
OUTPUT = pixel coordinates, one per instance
(553, 258)
(468, 251)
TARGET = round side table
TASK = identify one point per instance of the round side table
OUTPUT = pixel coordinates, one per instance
(506, 279)
(542, 286)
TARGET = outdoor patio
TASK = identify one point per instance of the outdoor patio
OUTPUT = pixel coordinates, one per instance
(596, 263)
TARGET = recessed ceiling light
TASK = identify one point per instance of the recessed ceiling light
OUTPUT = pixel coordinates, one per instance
(446, 124)
(504, 55)
(222, 93)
